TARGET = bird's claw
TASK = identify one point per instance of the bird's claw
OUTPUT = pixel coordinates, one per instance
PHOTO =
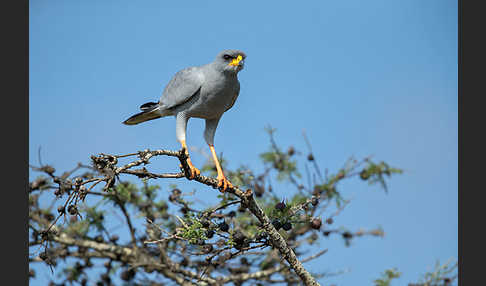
(224, 184)
(194, 172)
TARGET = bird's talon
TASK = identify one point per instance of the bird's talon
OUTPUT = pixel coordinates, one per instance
(224, 184)
(193, 172)
(196, 172)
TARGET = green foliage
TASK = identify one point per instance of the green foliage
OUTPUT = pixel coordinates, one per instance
(150, 190)
(95, 217)
(290, 213)
(281, 161)
(374, 173)
(268, 263)
(125, 192)
(78, 229)
(193, 230)
(387, 277)
(169, 225)
(72, 273)
(225, 197)
(161, 206)
(297, 199)
(328, 190)
(251, 228)
(443, 274)
(247, 223)
(242, 177)
(297, 216)
(230, 241)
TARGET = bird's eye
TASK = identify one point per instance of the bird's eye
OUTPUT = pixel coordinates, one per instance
(227, 57)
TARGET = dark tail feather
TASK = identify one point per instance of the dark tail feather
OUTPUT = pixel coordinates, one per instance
(148, 106)
(150, 112)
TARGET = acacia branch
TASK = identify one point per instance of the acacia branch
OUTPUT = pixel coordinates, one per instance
(248, 201)
(107, 166)
(139, 258)
(133, 256)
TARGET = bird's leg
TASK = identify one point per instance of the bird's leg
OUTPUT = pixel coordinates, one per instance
(193, 170)
(223, 183)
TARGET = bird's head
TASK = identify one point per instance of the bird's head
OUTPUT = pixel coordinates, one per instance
(230, 60)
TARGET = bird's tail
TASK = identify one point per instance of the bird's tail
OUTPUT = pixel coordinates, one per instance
(150, 111)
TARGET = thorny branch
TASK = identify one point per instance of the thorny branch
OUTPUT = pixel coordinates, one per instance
(176, 242)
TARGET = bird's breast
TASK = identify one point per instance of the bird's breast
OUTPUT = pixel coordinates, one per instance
(214, 99)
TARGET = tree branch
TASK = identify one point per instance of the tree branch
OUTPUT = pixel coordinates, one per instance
(106, 165)
(249, 201)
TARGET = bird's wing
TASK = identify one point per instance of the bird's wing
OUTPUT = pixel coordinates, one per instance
(182, 87)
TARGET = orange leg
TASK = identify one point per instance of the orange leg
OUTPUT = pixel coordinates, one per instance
(223, 183)
(194, 171)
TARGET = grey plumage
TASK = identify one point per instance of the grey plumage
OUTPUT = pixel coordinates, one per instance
(205, 92)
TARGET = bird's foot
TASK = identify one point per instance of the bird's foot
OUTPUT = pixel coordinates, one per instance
(223, 183)
(193, 171)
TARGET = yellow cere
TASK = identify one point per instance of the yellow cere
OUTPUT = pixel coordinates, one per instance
(236, 61)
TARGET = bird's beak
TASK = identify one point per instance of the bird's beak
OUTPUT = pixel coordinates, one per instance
(236, 62)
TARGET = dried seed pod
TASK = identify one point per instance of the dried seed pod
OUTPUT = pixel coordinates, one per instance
(223, 226)
(210, 233)
(280, 206)
(364, 175)
(291, 151)
(316, 223)
(347, 235)
(287, 226)
(72, 210)
(127, 275)
(277, 224)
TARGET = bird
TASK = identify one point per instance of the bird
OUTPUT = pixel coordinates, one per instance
(205, 92)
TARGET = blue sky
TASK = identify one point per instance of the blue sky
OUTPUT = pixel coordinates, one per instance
(360, 77)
